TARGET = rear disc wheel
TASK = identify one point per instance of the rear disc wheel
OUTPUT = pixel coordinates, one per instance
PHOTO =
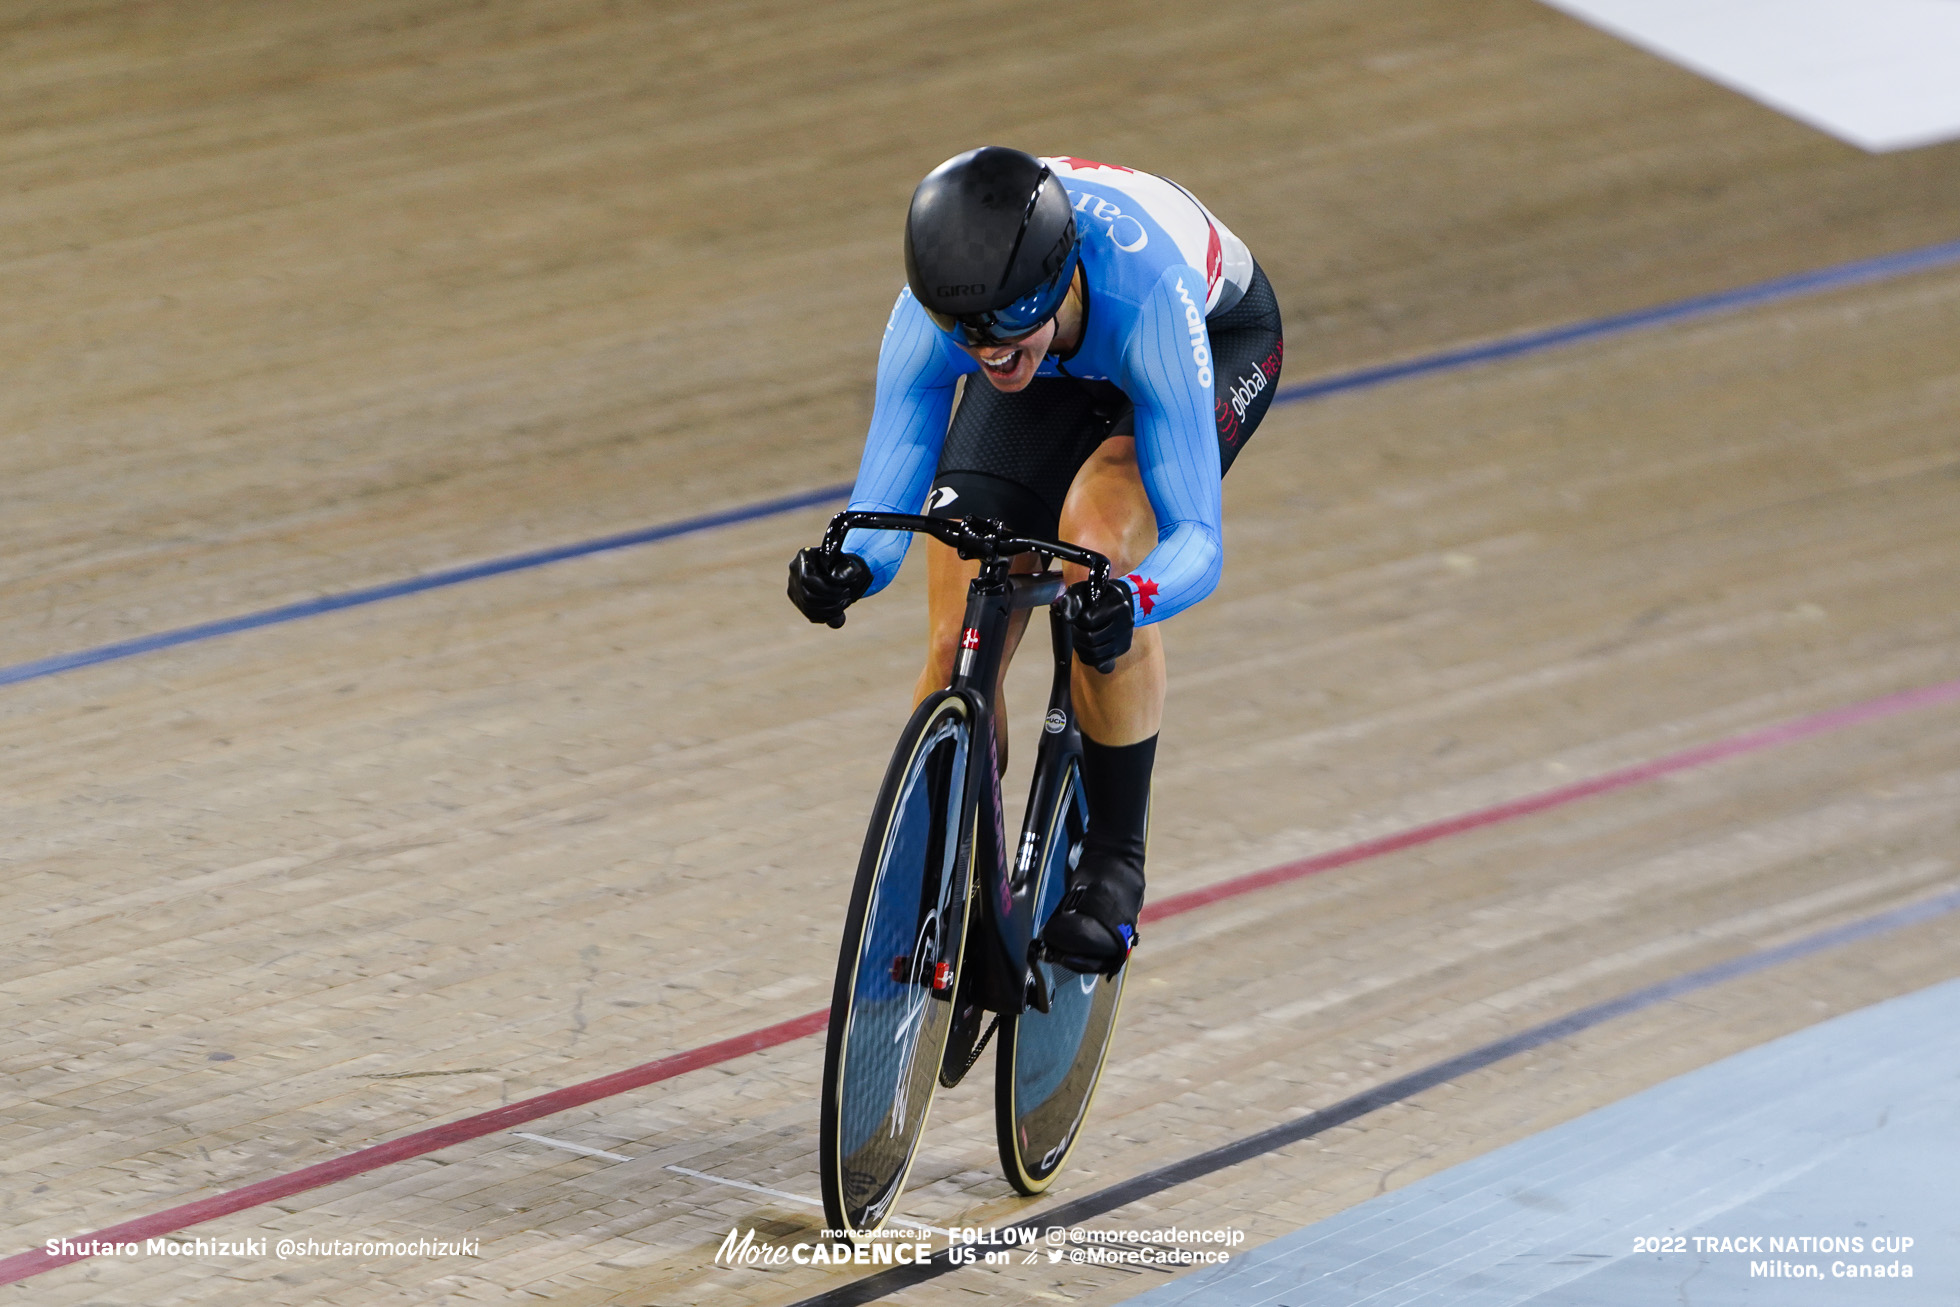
(1051, 1061)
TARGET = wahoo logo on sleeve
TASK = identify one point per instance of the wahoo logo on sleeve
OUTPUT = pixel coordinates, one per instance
(1194, 319)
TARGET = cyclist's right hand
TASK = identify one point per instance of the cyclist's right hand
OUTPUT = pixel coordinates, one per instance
(822, 584)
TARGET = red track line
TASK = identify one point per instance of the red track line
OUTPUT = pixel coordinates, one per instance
(1748, 742)
(34, 1262)
(22, 1265)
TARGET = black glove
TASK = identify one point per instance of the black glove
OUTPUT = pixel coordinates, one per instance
(1103, 622)
(822, 585)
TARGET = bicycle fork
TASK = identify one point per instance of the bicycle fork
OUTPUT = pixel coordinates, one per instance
(999, 967)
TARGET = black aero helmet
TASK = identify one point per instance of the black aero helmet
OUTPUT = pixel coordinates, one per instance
(990, 244)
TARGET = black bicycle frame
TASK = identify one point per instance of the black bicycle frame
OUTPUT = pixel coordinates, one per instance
(997, 971)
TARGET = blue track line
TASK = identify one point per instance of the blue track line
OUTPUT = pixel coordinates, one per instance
(416, 585)
(1861, 272)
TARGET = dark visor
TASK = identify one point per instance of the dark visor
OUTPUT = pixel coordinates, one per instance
(1004, 326)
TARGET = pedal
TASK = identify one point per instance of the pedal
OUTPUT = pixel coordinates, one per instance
(1039, 996)
(942, 979)
(1040, 952)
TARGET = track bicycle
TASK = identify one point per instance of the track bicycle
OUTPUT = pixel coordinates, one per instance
(945, 920)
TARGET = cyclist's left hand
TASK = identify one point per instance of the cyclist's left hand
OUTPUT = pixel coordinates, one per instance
(1103, 621)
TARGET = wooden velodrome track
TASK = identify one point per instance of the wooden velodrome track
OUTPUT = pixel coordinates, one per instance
(308, 298)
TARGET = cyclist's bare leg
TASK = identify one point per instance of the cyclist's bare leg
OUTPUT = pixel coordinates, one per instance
(1108, 511)
(947, 577)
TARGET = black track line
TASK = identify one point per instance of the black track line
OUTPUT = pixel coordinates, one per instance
(1125, 1192)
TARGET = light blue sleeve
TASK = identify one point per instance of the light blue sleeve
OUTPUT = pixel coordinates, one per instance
(1168, 376)
(916, 376)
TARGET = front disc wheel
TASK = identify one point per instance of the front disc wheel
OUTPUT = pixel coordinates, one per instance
(897, 970)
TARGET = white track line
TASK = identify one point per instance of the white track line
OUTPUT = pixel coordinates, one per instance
(797, 1198)
(717, 1179)
(570, 1147)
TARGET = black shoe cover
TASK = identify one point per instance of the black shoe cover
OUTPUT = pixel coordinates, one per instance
(1095, 925)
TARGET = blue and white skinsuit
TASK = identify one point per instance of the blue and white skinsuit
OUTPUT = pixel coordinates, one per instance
(1144, 241)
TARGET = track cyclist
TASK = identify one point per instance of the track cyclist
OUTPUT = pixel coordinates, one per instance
(1130, 346)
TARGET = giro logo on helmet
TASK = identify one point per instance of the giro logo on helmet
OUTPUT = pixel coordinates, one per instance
(977, 288)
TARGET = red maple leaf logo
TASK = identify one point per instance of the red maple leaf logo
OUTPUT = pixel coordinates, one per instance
(1146, 591)
(1083, 165)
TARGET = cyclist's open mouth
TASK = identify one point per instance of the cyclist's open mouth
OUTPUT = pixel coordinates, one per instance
(1004, 365)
